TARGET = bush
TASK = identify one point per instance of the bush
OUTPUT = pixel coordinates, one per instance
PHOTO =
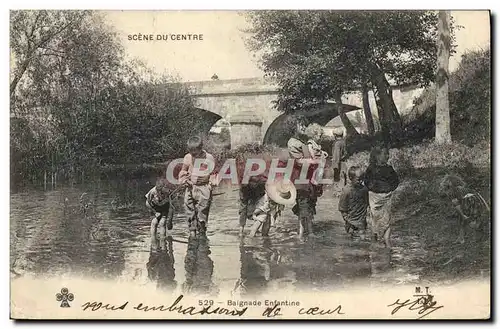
(453, 156)
(470, 102)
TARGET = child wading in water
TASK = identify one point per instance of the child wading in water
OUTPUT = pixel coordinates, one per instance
(263, 202)
(473, 212)
(158, 200)
(300, 147)
(353, 203)
(381, 180)
(198, 195)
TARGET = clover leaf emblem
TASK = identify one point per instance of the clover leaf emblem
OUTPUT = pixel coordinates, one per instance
(64, 297)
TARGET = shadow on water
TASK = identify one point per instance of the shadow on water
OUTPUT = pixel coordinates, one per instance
(198, 267)
(160, 266)
(52, 236)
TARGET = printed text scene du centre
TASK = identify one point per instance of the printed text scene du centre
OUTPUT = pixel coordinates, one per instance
(164, 37)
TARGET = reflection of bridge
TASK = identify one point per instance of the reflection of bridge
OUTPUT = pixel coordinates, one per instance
(248, 105)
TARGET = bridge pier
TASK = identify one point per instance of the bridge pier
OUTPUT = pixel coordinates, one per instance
(246, 127)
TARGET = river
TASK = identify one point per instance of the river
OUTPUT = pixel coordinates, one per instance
(50, 235)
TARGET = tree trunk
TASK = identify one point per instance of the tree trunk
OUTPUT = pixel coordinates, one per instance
(18, 76)
(386, 104)
(394, 109)
(443, 133)
(349, 127)
(368, 112)
(384, 121)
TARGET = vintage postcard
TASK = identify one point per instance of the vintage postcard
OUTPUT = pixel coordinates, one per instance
(260, 165)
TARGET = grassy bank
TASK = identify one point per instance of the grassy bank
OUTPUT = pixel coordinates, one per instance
(421, 210)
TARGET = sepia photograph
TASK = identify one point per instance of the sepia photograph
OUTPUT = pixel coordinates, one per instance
(251, 165)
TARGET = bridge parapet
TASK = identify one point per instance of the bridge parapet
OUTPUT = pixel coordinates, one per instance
(248, 86)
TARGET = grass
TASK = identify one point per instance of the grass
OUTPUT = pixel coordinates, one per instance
(420, 210)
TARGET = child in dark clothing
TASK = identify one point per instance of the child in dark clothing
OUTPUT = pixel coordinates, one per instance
(158, 200)
(353, 202)
(381, 180)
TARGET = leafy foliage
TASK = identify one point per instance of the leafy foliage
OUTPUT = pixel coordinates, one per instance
(470, 101)
(79, 104)
(317, 55)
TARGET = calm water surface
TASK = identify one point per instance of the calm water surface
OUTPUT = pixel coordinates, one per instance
(113, 242)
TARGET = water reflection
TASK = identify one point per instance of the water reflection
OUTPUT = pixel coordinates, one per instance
(112, 241)
(255, 271)
(160, 266)
(199, 267)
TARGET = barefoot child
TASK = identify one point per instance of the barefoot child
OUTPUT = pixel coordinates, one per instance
(353, 203)
(198, 195)
(381, 180)
(269, 206)
(473, 212)
(249, 195)
(158, 200)
(307, 193)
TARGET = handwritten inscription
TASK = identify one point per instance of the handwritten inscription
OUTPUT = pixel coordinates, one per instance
(272, 312)
(95, 306)
(207, 307)
(191, 310)
(318, 311)
(423, 304)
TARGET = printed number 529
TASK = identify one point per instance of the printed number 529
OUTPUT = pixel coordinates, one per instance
(205, 302)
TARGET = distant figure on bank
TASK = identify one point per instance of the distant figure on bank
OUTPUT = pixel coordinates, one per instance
(198, 195)
(264, 208)
(381, 180)
(473, 212)
(353, 203)
(339, 156)
(158, 200)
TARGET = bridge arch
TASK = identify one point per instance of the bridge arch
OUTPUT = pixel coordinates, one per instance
(255, 97)
(280, 130)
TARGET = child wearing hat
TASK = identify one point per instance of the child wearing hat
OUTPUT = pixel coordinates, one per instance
(249, 196)
(267, 206)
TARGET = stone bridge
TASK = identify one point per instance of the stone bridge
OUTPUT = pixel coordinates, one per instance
(247, 104)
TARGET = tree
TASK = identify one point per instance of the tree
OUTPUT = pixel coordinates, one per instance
(315, 55)
(33, 34)
(443, 132)
(84, 104)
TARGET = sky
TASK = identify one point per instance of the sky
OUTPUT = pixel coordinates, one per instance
(222, 50)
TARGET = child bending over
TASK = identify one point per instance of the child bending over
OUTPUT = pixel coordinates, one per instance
(472, 211)
(263, 202)
(158, 200)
